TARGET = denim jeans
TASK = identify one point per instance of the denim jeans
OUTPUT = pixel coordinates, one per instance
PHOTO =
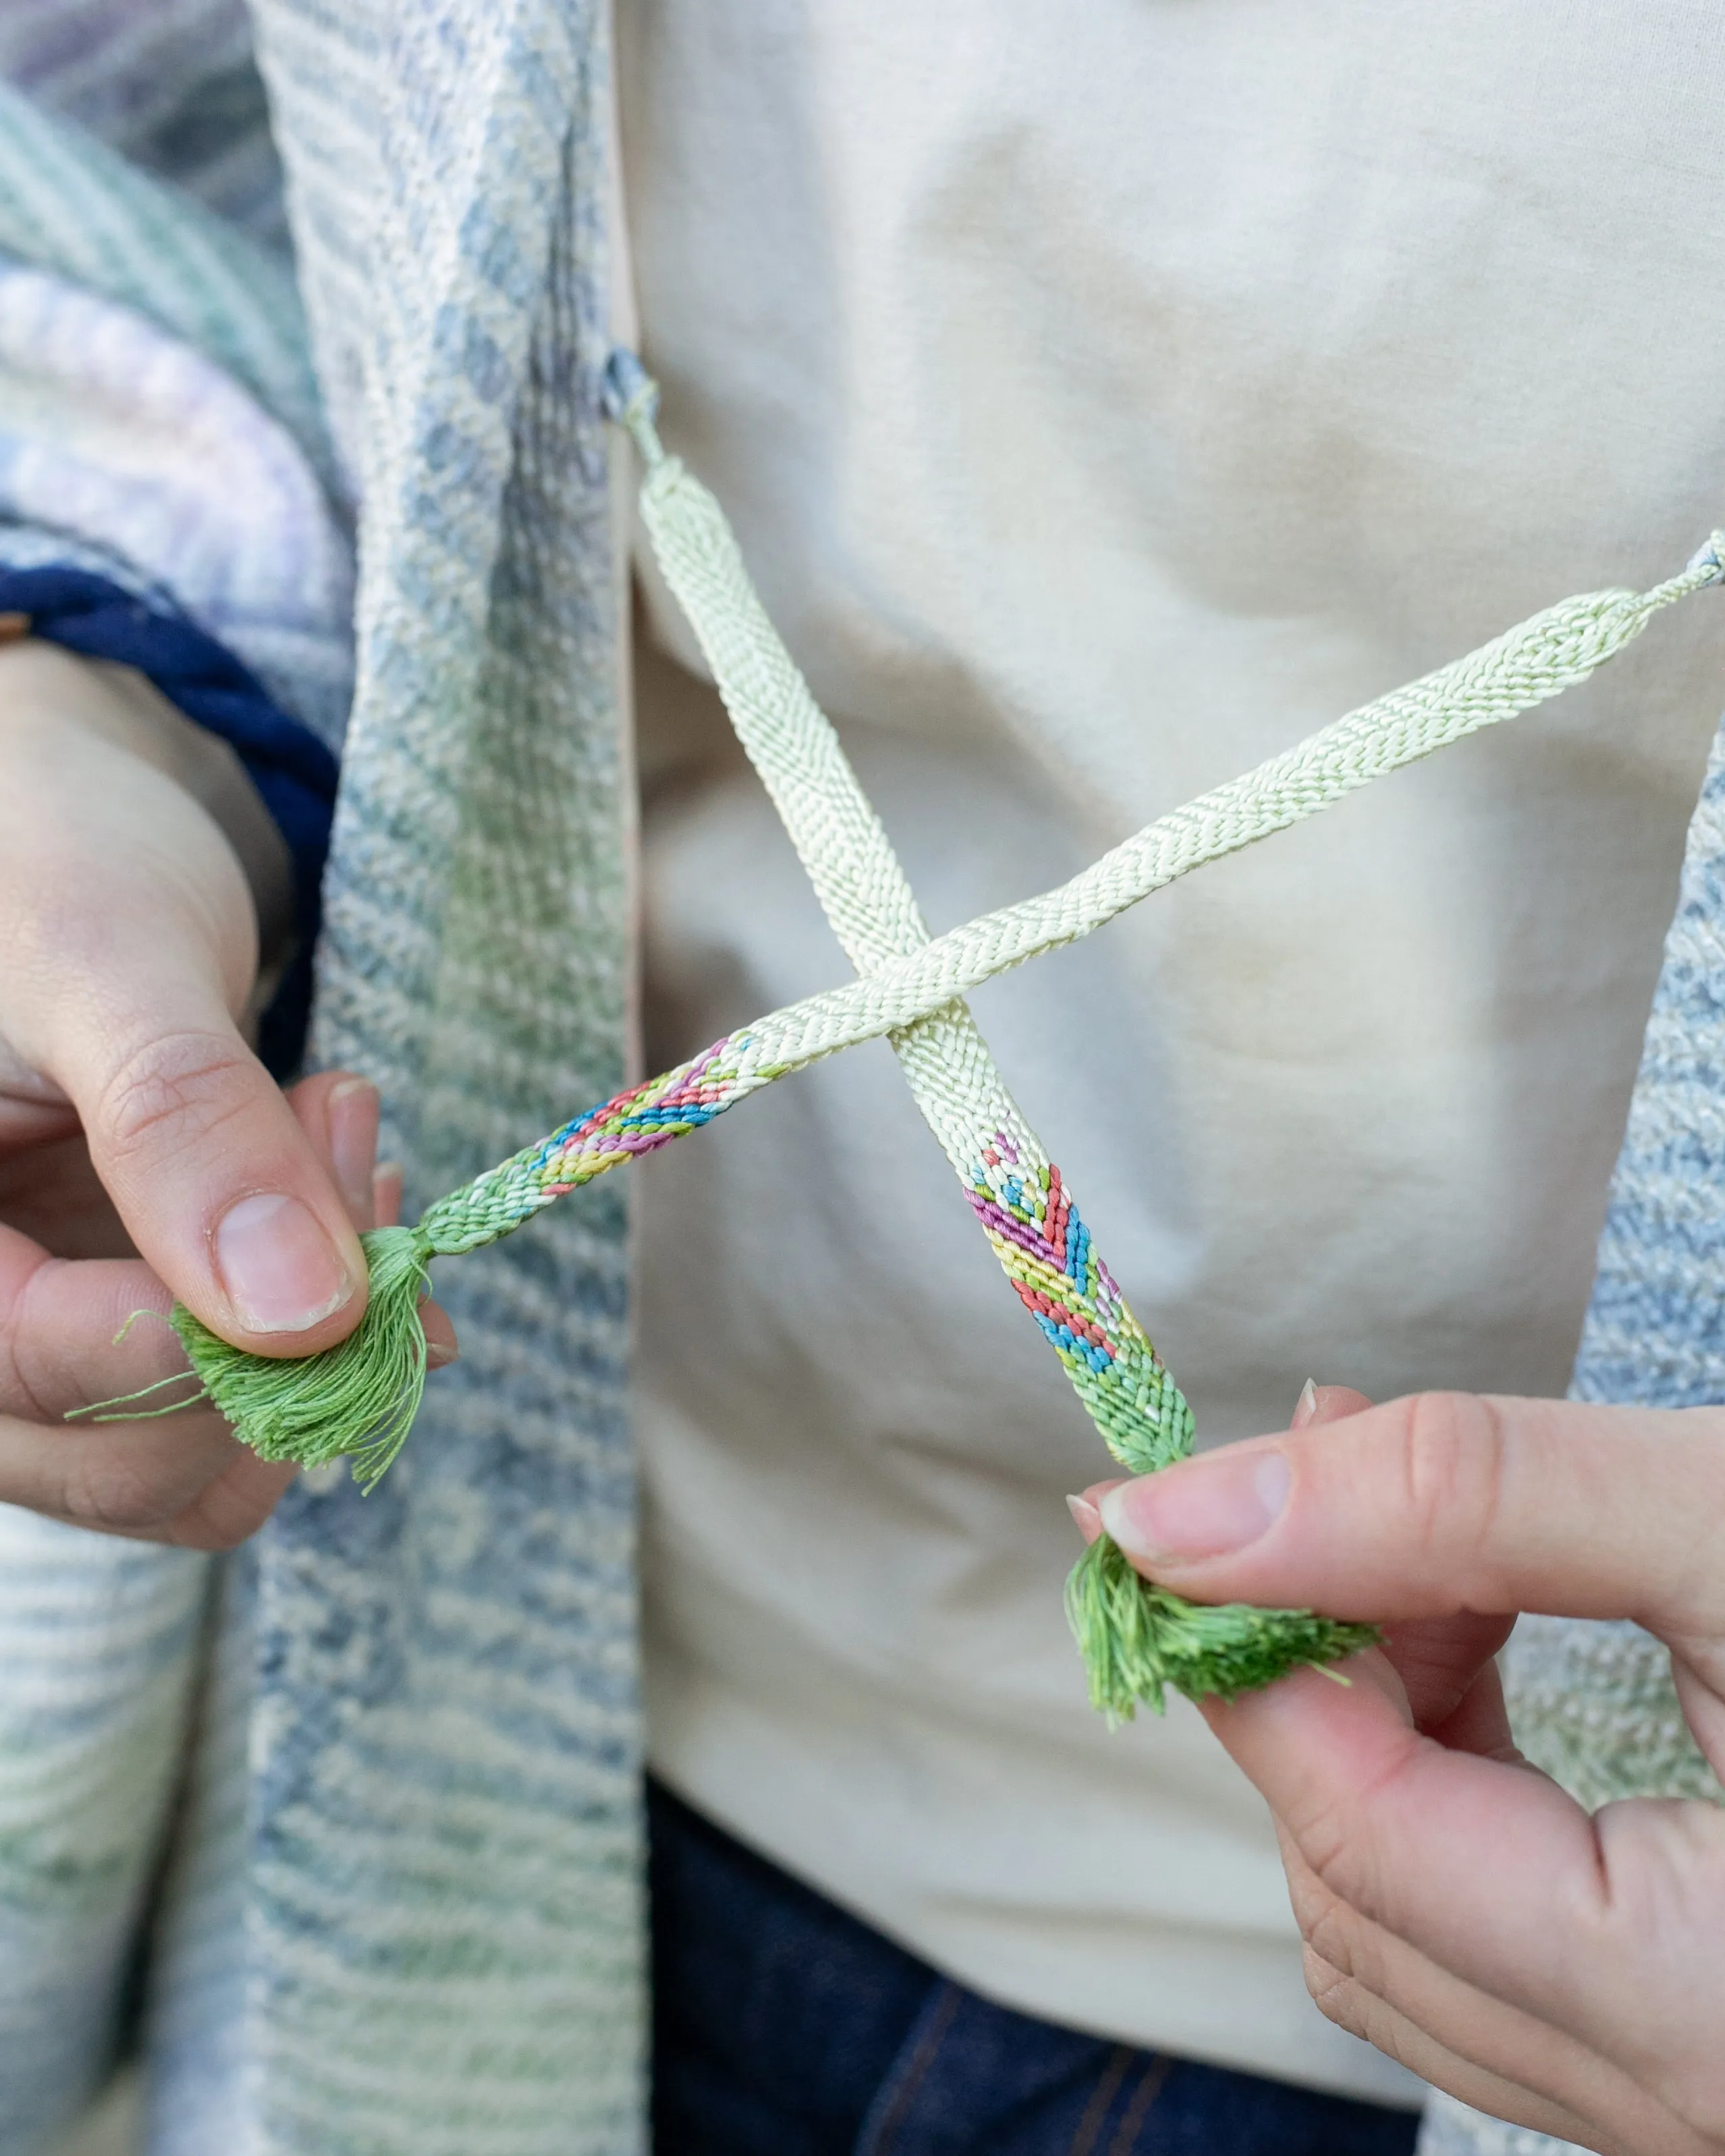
(785, 2027)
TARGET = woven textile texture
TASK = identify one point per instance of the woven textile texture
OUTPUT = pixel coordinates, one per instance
(157, 425)
(401, 1903)
(1017, 1192)
(173, 87)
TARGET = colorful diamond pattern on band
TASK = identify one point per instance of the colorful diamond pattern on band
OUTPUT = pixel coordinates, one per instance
(642, 1119)
(1046, 1252)
(1023, 1204)
(637, 1120)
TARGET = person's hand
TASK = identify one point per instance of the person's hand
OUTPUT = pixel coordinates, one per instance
(1460, 1911)
(144, 1153)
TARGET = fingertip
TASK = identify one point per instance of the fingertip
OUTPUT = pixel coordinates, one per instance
(1322, 1403)
(339, 1113)
(233, 1506)
(441, 1347)
(387, 1180)
(1216, 1505)
(1360, 1701)
(1085, 1507)
(223, 1188)
(1086, 1517)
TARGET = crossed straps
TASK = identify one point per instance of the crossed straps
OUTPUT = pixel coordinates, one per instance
(359, 1399)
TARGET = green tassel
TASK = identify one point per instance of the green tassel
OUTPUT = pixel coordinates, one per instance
(1136, 1639)
(359, 1398)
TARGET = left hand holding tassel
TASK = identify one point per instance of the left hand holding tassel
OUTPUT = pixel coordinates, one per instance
(145, 1153)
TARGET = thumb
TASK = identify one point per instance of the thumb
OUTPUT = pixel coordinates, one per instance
(1447, 1502)
(216, 1183)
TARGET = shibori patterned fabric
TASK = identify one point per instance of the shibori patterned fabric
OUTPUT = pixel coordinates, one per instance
(374, 1786)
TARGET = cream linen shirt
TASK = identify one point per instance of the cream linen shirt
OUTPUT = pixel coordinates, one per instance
(1106, 396)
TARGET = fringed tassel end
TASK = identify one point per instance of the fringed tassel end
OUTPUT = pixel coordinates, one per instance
(357, 1399)
(1136, 1639)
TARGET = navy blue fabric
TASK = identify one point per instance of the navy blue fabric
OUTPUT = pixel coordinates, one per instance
(293, 771)
(782, 2026)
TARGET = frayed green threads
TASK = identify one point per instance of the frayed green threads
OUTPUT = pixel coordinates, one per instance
(123, 1407)
(357, 1400)
(1137, 1639)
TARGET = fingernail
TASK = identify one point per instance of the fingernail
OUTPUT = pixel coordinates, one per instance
(1305, 1407)
(281, 1272)
(1086, 1517)
(439, 1356)
(353, 1141)
(1201, 1508)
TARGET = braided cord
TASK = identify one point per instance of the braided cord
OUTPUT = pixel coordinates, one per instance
(1529, 665)
(358, 1400)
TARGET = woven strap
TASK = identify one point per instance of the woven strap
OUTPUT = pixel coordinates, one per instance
(1016, 1191)
(359, 1398)
(910, 987)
